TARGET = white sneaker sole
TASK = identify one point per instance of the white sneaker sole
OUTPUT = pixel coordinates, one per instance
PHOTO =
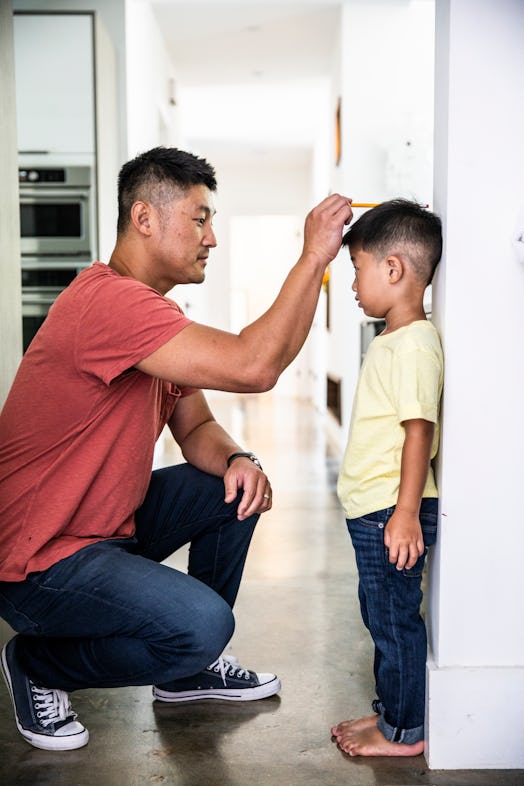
(227, 694)
(42, 741)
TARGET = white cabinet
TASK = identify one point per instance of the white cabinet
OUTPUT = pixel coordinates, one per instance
(54, 83)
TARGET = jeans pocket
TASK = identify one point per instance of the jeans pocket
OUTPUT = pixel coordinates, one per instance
(429, 527)
(376, 520)
(367, 537)
(418, 568)
(429, 521)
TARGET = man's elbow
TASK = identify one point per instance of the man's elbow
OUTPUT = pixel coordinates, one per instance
(260, 378)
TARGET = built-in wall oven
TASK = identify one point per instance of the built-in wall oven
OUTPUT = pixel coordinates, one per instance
(56, 222)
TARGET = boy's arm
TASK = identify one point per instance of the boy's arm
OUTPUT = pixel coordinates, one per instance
(403, 534)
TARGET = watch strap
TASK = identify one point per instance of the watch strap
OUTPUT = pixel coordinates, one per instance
(250, 456)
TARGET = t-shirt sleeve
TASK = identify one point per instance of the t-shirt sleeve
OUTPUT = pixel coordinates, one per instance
(416, 385)
(122, 324)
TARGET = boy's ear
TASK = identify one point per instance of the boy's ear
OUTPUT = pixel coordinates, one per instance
(395, 268)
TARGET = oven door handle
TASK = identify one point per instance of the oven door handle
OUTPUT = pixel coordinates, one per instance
(38, 298)
(52, 261)
(32, 195)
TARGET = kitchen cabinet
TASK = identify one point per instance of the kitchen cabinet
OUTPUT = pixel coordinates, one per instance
(54, 74)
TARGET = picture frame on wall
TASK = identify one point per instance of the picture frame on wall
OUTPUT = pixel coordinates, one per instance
(338, 132)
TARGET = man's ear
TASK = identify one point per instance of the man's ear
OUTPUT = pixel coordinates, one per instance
(141, 217)
(395, 268)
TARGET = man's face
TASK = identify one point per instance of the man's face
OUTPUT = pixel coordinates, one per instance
(183, 238)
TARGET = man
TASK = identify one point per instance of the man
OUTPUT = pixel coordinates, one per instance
(85, 525)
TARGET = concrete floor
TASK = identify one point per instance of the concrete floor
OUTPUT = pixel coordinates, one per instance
(297, 615)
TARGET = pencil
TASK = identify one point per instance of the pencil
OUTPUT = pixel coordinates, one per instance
(373, 204)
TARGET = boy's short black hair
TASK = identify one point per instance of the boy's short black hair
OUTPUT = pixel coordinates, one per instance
(155, 174)
(400, 226)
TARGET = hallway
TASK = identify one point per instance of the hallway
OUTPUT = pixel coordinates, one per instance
(297, 615)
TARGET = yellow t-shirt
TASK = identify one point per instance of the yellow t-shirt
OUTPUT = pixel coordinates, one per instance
(401, 379)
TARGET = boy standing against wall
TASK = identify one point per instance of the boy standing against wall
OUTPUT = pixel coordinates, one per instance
(386, 485)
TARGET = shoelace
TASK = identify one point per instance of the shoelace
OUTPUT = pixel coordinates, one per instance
(51, 705)
(228, 667)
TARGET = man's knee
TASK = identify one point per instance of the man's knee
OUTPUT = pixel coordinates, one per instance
(212, 630)
(189, 651)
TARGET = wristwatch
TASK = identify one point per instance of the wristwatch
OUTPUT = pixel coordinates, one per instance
(250, 456)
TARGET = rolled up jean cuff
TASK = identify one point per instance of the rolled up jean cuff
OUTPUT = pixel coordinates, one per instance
(393, 734)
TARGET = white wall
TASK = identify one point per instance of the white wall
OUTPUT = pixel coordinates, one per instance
(10, 285)
(384, 76)
(476, 675)
(151, 117)
(108, 157)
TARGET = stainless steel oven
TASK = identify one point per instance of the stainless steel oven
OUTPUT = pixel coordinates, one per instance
(41, 285)
(55, 210)
(56, 236)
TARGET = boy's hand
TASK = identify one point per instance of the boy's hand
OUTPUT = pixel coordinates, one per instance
(403, 538)
(403, 533)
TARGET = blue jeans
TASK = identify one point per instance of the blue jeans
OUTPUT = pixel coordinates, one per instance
(111, 615)
(390, 605)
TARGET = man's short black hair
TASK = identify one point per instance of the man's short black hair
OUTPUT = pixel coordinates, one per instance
(154, 175)
(403, 227)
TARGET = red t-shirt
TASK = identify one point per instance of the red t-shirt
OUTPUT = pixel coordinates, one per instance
(78, 429)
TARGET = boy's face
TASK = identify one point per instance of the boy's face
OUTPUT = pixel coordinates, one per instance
(371, 283)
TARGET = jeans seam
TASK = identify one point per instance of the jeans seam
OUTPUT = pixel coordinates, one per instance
(358, 528)
(402, 681)
(215, 561)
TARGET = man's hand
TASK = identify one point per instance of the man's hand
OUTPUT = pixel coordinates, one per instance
(257, 496)
(323, 227)
(403, 538)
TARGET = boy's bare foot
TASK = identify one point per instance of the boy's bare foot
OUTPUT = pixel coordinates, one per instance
(360, 723)
(371, 742)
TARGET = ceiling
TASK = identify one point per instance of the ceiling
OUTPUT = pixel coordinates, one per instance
(245, 68)
(246, 41)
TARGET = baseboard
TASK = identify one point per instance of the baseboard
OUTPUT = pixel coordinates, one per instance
(474, 718)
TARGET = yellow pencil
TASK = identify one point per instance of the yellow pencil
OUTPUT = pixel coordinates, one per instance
(371, 204)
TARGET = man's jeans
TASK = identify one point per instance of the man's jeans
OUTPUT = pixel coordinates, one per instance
(390, 604)
(111, 615)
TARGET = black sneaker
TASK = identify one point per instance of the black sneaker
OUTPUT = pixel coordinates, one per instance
(44, 717)
(224, 679)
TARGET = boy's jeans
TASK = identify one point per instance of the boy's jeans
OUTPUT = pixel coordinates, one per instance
(110, 615)
(390, 604)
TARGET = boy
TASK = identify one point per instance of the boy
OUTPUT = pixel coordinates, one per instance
(386, 485)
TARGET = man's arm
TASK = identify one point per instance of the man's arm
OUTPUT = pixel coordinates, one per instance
(403, 533)
(206, 445)
(253, 360)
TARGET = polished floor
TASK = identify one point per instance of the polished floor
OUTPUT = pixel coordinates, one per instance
(296, 615)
